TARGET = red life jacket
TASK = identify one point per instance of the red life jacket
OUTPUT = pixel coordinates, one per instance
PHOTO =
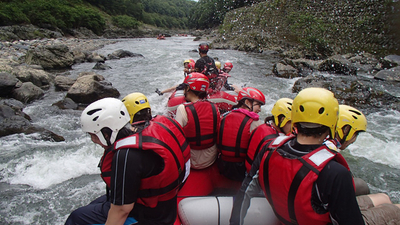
(201, 129)
(164, 137)
(258, 138)
(288, 183)
(234, 135)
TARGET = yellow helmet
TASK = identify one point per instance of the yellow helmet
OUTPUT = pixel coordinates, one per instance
(186, 61)
(218, 64)
(353, 117)
(316, 105)
(282, 107)
(135, 102)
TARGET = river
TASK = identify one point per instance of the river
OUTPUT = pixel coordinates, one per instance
(41, 182)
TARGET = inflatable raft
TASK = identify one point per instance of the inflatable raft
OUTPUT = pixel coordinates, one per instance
(207, 198)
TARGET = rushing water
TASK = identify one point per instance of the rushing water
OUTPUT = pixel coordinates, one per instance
(41, 182)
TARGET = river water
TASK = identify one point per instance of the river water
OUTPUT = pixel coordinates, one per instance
(41, 182)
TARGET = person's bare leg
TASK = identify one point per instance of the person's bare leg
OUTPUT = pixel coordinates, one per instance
(380, 198)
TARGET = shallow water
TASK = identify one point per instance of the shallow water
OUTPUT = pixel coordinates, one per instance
(41, 182)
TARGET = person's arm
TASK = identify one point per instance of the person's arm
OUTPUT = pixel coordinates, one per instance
(238, 200)
(335, 185)
(118, 214)
(253, 190)
(181, 115)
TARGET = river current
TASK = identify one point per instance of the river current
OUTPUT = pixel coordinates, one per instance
(41, 182)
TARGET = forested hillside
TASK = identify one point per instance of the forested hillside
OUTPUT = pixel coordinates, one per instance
(96, 14)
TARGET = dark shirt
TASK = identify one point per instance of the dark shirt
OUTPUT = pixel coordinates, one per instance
(206, 66)
(128, 168)
(335, 186)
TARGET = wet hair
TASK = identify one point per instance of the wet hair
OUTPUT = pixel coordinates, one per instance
(269, 119)
(241, 103)
(142, 115)
(122, 133)
(314, 132)
(200, 94)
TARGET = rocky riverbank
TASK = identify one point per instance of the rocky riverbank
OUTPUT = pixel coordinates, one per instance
(26, 72)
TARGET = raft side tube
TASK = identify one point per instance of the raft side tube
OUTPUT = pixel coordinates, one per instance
(217, 210)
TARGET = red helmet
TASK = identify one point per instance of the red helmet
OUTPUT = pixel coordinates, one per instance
(203, 47)
(191, 65)
(228, 65)
(251, 93)
(197, 82)
(192, 60)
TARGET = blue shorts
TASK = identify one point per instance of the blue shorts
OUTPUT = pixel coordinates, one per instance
(94, 213)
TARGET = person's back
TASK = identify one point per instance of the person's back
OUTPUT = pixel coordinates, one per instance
(200, 120)
(277, 124)
(234, 134)
(206, 65)
(315, 184)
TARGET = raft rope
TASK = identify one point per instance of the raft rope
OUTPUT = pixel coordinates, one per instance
(219, 211)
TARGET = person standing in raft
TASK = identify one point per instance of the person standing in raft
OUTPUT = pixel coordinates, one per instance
(200, 120)
(142, 176)
(206, 65)
(234, 133)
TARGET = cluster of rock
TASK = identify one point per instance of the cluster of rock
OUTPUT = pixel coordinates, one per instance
(359, 80)
(25, 76)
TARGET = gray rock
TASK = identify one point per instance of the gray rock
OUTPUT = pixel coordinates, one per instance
(89, 88)
(63, 83)
(66, 103)
(101, 66)
(285, 71)
(390, 61)
(7, 84)
(339, 65)
(95, 57)
(14, 121)
(118, 54)
(355, 91)
(392, 74)
(27, 92)
(34, 74)
(50, 57)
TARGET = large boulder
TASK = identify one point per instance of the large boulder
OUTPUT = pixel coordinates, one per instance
(7, 84)
(339, 65)
(34, 74)
(66, 103)
(392, 74)
(90, 88)
(118, 54)
(12, 121)
(63, 83)
(50, 57)
(27, 92)
(390, 61)
(101, 66)
(286, 71)
(359, 92)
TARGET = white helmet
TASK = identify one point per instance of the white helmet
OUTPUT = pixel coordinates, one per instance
(106, 112)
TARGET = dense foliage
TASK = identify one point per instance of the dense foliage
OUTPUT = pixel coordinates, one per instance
(94, 14)
(211, 13)
(51, 14)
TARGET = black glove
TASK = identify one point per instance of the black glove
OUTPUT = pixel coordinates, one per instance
(159, 92)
